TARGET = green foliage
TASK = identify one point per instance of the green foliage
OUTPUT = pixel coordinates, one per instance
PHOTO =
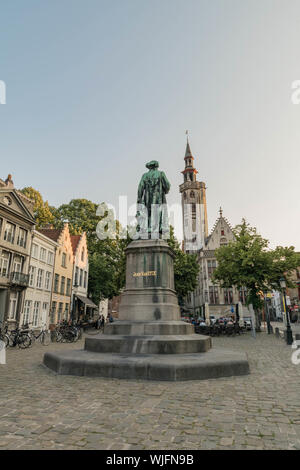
(107, 269)
(248, 262)
(107, 256)
(42, 211)
(186, 268)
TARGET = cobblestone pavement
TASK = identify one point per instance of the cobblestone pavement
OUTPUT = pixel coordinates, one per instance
(40, 410)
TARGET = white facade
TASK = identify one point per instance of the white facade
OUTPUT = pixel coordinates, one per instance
(36, 306)
(80, 275)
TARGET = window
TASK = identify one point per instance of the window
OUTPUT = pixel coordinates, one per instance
(228, 296)
(63, 260)
(211, 266)
(243, 295)
(50, 258)
(4, 263)
(66, 311)
(213, 295)
(80, 279)
(85, 279)
(35, 250)
(43, 254)
(22, 237)
(222, 232)
(56, 282)
(192, 194)
(9, 234)
(17, 267)
(68, 292)
(76, 277)
(60, 310)
(40, 276)
(47, 280)
(36, 313)
(13, 301)
(62, 285)
(82, 254)
(27, 311)
(31, 276)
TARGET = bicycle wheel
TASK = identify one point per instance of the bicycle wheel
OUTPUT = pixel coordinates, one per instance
(24, 341)
(11, 340)
(5, 340)
(58, 336)
(69, 336)
(45, 338)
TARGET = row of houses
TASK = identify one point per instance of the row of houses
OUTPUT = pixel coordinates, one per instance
(43, 273)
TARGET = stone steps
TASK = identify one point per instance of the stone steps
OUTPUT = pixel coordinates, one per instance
(166, 367)
(160, 344)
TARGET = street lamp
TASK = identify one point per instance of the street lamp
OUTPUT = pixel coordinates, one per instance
(288, 333)
(269, 327)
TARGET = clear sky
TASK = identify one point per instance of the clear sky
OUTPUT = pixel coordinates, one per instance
(96, 88)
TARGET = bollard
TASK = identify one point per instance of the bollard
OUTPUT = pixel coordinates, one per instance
(277, 332)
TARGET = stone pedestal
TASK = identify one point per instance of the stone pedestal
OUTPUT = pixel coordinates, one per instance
(149, 341)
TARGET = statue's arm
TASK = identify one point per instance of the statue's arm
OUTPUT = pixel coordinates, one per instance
(140, 190)
(165, 183)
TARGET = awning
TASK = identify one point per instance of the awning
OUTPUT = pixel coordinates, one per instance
(86, 301)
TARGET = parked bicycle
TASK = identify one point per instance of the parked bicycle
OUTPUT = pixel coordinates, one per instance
(43, 336)
(65, 333)
(19, 338)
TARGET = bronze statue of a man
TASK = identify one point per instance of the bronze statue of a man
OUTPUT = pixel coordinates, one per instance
(152, 214)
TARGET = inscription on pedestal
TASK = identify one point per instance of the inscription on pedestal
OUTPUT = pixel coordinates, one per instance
(144, 274)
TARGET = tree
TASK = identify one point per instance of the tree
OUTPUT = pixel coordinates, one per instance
(42, 211)
(107, 267)
(249, 263)
(81, 215)
(186, 269)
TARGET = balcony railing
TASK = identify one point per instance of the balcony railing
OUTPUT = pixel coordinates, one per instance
(19, 279)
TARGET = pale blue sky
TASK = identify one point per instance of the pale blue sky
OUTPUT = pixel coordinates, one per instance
(97, 88)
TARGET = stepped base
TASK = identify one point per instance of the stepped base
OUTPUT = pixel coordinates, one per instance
(167, 367)
(158, 344)
(149, 328)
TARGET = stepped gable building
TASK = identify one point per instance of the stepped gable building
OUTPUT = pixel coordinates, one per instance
(63, 274)
(16, 226)
(81, 305)
(207, 299)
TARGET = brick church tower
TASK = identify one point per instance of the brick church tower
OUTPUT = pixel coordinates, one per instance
(193, 201)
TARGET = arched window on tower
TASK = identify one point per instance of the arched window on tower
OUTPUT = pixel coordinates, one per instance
(192, 194)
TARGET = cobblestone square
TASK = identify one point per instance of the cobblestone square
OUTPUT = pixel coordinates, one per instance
(40, 410)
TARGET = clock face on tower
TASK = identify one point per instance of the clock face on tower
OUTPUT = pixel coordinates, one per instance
(7, 201)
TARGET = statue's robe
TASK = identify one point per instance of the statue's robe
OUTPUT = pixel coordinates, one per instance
(152, 189)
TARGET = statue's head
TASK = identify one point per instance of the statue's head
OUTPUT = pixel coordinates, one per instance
(151, 165)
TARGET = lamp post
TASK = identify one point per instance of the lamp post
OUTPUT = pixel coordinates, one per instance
(269, 328)
(288, 333)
